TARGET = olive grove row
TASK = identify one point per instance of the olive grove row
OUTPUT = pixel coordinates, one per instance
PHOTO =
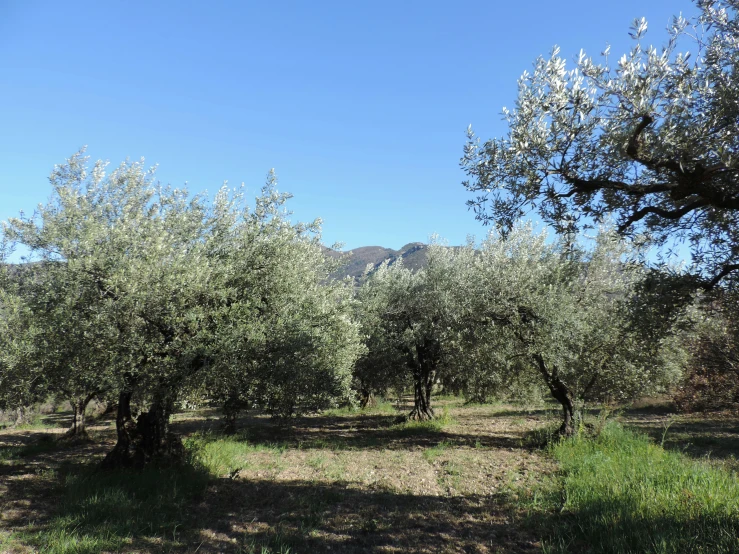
(140, 292)
(146, 297)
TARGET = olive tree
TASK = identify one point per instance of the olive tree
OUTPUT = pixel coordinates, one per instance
(412, 322)
(650, 137)
(285, 339)
(564, 313)
(62, 344)
(164, 279)
(127, 257)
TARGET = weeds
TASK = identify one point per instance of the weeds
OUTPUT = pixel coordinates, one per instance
(620, 493)
(103, 511)
(228, 455)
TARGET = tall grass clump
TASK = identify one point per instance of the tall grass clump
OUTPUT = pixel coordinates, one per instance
(623, 494)
(225, 455)
(436, 425)
(110, 511)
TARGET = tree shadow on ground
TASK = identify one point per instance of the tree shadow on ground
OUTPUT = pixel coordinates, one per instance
(714, 438)
(617, 525)
(311, 517)
(537, 412)
(700, 435)
(365, 432)
(178, 510)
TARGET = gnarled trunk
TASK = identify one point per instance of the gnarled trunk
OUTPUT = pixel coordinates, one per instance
(231, 409)
(424, 371)
(120, 456)
(561, 392)
(155, 444)
(79, 406)
(367, 399)
(148, 440)
(422, 410)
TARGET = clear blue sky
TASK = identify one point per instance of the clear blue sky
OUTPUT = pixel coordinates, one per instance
(361, 107)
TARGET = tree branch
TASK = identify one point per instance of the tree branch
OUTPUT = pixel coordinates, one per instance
(726, 270)
(667, 214)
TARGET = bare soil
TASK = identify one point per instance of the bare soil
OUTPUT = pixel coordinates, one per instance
(349, 483)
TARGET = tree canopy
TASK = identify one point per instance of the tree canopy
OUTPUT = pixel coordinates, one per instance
(566, 316)
(650, 137)
(148, 293)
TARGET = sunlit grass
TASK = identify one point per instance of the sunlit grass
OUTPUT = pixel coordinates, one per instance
(223, 455)
(103, 511)
(621, 493)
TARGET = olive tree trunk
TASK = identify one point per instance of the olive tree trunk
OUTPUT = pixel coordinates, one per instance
(148, 440)
(424, 371)
(231, 409)
(79, 406)
(422, 410)
(560, 392)
(20, 415)
(367, 399)
(120, 456)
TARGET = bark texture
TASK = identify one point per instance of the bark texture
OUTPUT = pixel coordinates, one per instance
(79, 423)
(147, 441)
(560, 392)
(423, 365)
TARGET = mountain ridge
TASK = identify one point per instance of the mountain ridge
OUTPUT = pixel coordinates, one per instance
(356, 260)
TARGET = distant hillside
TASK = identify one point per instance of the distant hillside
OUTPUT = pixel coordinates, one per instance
(414, 256)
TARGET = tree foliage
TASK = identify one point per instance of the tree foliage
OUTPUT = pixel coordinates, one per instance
(650, 138)
(411, 321)
(146, 291)
(518, 312)
(711, 379)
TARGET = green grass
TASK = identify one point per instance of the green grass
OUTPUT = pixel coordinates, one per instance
(412, 427)
(109, 511)
(430, 454)
(380, 407)
(45, 444)
(621, 493)
(222, 455)
(35, 423)
(105, 511)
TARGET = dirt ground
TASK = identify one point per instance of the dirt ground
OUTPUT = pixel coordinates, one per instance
(348, 482)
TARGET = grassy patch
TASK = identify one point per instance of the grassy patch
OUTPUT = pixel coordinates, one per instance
(621, 493)
(431, 454)
(412, 427)
(34, 423)
(380, 407)
(219, 455)
(341, 412)
(106, 511)
(45, 444)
